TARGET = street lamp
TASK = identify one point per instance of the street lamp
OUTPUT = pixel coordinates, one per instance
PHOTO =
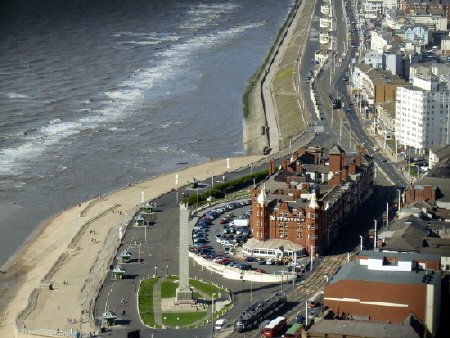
(242, 277)
(197, 198)
(282, 275)
(361, 242)
(167, 271)
(156, 271)
(139, 258)
(178, 322)
(212, 314)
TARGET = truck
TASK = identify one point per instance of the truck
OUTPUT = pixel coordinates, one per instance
(275, 327)
(220, 324)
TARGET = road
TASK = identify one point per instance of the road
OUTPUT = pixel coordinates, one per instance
(160, 255)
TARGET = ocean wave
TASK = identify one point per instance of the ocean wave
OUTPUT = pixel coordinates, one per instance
(142, 43)
(121, 101)
(17, 96)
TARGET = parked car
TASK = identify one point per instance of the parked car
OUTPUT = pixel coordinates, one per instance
(314, 304)
(260, 270)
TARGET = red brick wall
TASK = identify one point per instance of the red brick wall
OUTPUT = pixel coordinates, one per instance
(412, 294)
(335, 162)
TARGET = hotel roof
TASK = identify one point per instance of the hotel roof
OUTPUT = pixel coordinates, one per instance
(357, 328)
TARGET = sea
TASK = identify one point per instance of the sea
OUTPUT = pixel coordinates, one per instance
(95, 95)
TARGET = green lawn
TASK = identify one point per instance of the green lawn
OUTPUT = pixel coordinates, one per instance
(204, 287)
(168, 289)
(185, 318)
(146, 301)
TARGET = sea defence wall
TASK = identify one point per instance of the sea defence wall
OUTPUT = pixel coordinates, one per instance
(257, 126)
(245, 275)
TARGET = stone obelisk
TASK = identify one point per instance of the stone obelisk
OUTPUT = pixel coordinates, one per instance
(184, 293)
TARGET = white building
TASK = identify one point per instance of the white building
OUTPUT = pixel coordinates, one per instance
(371, 9)
(379, 40)
(389, 5)
(422, 113)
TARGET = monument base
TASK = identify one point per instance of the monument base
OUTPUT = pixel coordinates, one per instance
(184, 295)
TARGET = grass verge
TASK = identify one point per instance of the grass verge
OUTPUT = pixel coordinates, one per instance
(146, 301)
(182, 318)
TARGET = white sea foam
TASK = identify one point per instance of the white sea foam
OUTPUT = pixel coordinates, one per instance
(17, 96)
(118, 103)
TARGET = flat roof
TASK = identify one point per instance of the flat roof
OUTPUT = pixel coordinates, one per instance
(359, 328)
(356, 272)
(402, 256)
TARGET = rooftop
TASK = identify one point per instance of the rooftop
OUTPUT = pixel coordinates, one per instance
(357, 328)
(356, 272)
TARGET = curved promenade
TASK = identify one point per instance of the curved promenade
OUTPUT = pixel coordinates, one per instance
(53, 282)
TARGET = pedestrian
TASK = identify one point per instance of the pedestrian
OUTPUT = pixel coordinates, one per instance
(124, 313)
(122, 300)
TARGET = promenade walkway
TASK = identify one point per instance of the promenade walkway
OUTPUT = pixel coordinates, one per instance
(157, 312)
(79, 250)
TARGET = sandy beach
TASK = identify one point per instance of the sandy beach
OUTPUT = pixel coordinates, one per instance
(67, 241)
(60, 270)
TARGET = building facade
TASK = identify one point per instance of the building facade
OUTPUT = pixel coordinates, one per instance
(422, 114)
(388, 287)
(307, 200)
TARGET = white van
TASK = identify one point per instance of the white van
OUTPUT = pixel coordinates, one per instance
(220, 324)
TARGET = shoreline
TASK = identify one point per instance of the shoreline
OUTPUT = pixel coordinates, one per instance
(47, 253)
(39, 258)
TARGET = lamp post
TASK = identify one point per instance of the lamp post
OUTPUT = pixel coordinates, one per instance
(197, 198)
(242, 277)
(361, 242)
(139, 258)
(282, 276)
(178, 322)
(212, 314)
(156, 271)
(375, 235)
(167, 271)
(212, 179)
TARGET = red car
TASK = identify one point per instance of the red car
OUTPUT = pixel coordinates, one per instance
(260, 270)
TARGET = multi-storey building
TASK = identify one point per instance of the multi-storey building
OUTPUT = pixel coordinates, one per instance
(388, 287)
(422, 113)
(306, 201)
(371, 9)
(429, 6)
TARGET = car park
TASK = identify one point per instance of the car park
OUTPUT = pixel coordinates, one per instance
(199, 240)
(198, 235)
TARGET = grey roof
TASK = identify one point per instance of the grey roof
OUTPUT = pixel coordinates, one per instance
(441, 169)
(402, 256)
(356, 272)
(441, 150)
(359, 328)
(336, 150)
(318, 168)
